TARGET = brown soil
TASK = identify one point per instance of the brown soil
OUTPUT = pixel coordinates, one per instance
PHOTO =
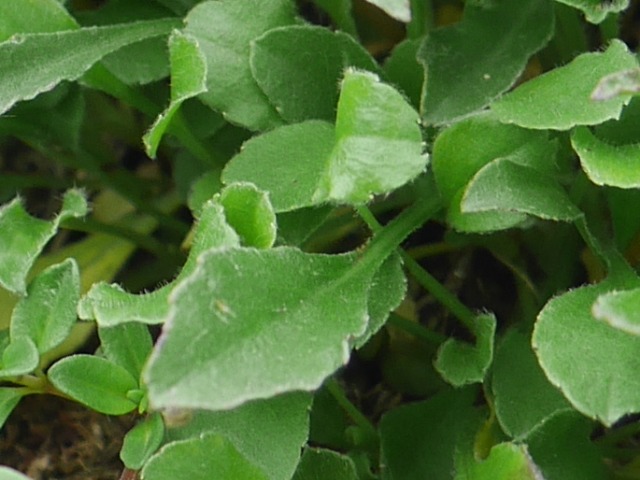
(49, 438)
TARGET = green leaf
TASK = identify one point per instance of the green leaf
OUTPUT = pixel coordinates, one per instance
(19, 358)
(461, 363)
(597, 10)
(509, 186)
(404, 71)
(9, 398)
(388, 289)
(7, 473)
(374, 124)
(419, 440)
(563, 450)
(142, 441)
(506, 461)
(398, 9)
(287, 162)
(249, 211)
(299, 68)
(225, 29)
(340, 13)
(569, 90)
(188, 79)
(48, 312)
(95, 382)
(35, 63)
(110, 305)
(620, 310)
(616, 84)
(606, 164)
(469, 64)
(127, 345)
(523, 397)
(283, 419)
(209, 457)
(593, 364)
(312, 303)
(22, 237)
(28, 16)
(319, 464)
(481, 222)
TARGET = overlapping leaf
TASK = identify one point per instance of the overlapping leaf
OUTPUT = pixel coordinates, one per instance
(597, 11)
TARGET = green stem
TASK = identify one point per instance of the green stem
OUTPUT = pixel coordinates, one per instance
(428, 282)
(356, 415)
(417, 330)
(421, 18)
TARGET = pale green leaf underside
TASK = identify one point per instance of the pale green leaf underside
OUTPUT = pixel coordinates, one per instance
(593, 364)
(222, 346)
(621, 310)
(224, 29)
(509, 186)
(470, 63)
(95, 382)
(398, 9)
(597, 10)
(461, 363)
(198, 458)
(7, 473)
(188, 79)
(22, 237)
(561, 99)
(35, 63)
(619, 83)
(110, 305)
(606, 164)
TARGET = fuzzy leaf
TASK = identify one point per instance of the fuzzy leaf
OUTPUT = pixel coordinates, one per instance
(95, 382)
(249, 211)
(597, 10)
(469, 64)
(19, 358)
(378, 142)
(110, 305)
(283, 419)
(26, 16)
(523, 397)
(619, 83)
(9, 398)
(507, 185)
(319, 464)
(127, 345)
(568, 89)
(621, 310)
(225, 29)
(300, 67)
(22, 237)
(287, 162)
(461, 363)
(188, 79)
(142, 441)
(48, 312)
(403, 69)
(35, 63)
(593, 364)
(606, 164)
(198, 459)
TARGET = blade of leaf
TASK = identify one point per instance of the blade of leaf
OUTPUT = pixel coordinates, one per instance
(188, 79)
(461, 363)
(506, 461)
(22, 237)
(470, 63)
(142, 441)
(48, 312)
(197, 458)
(224, 29)
(283, 419)
(619, 83)
(593, 364)
(398, 9)
(378, 142)
(287, 162)
(299, 68)
(605, 164)
(19, 358)
(620, 310)
(35, 63)
(7, 473)
(568, 89)
(320, 464)
(597, 11)
(127, 345)
(95, 382)
(9, 398)
(23, 16)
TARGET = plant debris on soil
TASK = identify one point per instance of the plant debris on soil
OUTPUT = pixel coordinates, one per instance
(49, 438)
